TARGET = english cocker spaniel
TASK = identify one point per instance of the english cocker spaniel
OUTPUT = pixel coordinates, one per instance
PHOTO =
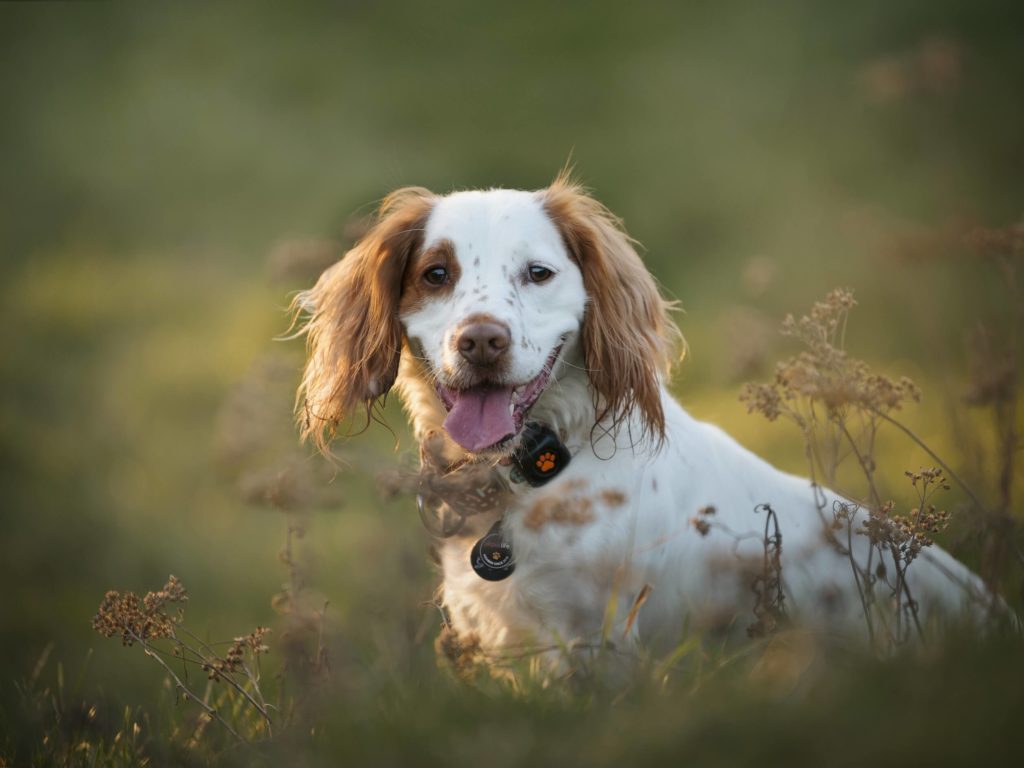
(531, 346)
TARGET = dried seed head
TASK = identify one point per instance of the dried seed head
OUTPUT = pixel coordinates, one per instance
(135, 618)
(823, 374)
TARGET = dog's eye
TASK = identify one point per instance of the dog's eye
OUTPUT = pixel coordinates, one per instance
(436, 276)
(538, 274)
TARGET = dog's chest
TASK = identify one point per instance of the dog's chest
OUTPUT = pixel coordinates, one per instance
(571, 541)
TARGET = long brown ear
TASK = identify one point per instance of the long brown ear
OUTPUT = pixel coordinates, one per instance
(350, 318)
(629, 340)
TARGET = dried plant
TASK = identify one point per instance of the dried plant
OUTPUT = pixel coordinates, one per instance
(840, 404)
(253, 427)
(700, 520)
(140, 619)
(769, 604)
(995, 365)
(159, 616)
(905, 536)
(823, 382)
(256, 444)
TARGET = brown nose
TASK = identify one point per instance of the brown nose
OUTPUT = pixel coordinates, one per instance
(483, 343)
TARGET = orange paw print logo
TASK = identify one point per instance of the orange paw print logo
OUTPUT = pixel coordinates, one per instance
(546, 462)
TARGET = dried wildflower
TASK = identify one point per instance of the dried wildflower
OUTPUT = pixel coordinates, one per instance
(703, 526)
(839, 403)
(823, 374)
(234, 659)
(905, 536)
(143, 620)
(928, 477)
(140, 619)
(699, 521)
(763, 398)
(769, 608)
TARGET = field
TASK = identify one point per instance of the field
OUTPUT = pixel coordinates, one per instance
(172, 175)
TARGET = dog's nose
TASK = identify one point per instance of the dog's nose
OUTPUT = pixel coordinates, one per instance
(484, 342)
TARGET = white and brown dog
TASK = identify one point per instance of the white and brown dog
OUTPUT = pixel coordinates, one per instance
(494, 310)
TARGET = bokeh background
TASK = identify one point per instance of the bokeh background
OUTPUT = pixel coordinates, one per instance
(171, 173)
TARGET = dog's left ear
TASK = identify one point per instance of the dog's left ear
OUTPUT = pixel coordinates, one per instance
(629, 339)
(354, 336)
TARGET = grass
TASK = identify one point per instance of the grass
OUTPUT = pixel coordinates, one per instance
(156, 157)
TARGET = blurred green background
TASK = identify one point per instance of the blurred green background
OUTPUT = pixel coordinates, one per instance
(172, 172)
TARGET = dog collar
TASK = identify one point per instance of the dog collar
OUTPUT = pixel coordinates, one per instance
(540, 457)
(491, 556)
(446, 496)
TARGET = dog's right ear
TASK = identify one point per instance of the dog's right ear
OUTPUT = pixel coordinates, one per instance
(350, 318)
(629, 339)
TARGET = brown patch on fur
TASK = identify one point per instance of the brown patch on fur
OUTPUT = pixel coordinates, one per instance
(613, 497)
(354, 336)
(416, 290)
(561, 509)
(629, 340)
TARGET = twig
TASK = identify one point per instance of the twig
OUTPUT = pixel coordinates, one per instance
(226, 676)
(211, 711)
(857, 579)
(909, 433)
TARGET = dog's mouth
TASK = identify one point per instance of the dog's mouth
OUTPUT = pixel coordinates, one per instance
(486, 415)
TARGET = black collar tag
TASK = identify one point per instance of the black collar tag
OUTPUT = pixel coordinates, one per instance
(541, 455)
(491, 557)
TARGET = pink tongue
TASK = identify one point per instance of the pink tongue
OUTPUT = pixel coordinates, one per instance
(480, 417)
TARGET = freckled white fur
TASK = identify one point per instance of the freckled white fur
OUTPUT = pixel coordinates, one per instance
(497, 235)
(567, 573)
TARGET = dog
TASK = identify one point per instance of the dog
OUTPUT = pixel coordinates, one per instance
(525, 336)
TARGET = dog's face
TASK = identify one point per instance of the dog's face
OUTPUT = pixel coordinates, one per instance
(494, 294)
(492, 304)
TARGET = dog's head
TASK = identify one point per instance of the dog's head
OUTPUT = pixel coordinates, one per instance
(495, 294)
